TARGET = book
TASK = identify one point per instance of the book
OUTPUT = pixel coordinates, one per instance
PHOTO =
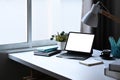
(46, 53)
(113, 74)
(46, 49)
(115, 66)
(90, 62)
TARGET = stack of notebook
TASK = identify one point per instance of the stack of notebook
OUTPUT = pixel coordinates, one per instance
(46, 51)
(113, 70)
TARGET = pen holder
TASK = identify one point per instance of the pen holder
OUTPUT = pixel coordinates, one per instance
(115, 47)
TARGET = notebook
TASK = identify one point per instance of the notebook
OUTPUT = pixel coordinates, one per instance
(78, 46)
(91, 62)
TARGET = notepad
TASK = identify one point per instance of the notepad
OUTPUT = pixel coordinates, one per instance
(91, 61)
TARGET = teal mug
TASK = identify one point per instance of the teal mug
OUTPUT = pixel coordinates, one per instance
(115, 47)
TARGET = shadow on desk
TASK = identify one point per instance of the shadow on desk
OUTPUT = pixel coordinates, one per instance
(35, 75)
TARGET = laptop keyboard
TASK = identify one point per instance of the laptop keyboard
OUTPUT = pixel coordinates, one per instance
(73, 56)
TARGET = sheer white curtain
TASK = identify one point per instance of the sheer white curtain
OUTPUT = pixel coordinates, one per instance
(85, 8)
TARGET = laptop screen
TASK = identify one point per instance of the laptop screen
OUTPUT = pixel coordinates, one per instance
(79, 42)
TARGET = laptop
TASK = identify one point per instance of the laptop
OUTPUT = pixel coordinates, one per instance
(78, 46)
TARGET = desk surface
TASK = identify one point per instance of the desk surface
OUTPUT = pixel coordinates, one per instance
(61, 68)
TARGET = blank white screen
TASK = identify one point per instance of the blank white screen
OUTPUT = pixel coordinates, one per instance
(80, 42)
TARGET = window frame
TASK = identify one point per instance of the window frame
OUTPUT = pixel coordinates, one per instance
(31, 44)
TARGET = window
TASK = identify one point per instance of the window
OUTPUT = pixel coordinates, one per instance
(13, 20)
(27, 23)
(52, 16)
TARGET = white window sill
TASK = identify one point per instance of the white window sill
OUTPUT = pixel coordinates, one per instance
(21, 50)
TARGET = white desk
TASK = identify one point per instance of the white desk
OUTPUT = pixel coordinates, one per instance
(63, 69)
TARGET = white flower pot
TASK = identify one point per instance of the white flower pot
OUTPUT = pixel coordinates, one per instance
(61, 45)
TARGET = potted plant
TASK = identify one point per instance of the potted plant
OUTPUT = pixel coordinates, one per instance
(61, 39)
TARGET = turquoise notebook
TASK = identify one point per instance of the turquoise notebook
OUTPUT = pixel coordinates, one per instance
(46, 49)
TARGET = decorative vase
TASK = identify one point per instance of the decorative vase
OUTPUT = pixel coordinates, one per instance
(61, 45)
(115, 47)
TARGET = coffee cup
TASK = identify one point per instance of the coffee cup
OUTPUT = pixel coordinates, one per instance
(105, 53)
